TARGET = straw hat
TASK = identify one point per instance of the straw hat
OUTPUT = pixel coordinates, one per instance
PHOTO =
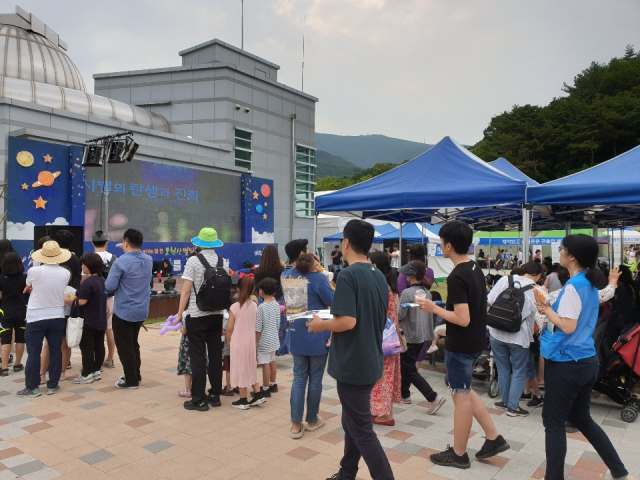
(51, 254)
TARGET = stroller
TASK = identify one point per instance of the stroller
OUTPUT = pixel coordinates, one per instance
(619, 366)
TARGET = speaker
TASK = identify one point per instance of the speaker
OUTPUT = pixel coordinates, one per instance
(92, 155)
(51, 230)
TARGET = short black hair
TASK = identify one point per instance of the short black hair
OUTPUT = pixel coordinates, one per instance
(64, 238)
(93, 262)
(337, 246)
(294, 248)
(360, 235)
(458, 234)
(269, 286)
(12, 264)
(133, 237)
(41, 242)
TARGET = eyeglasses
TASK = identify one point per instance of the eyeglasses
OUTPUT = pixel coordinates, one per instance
(561, 247)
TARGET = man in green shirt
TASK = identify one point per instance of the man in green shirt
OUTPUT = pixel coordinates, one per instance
(359, 312)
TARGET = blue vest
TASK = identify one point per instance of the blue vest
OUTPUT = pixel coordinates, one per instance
(559, 346)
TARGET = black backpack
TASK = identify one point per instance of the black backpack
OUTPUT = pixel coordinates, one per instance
(215, 291)
(506, 312)
(106, 267)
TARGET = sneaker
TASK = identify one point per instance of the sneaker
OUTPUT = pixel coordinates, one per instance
(500, 405)
(297, 435)
(123, 384)
(109, 364)
(214, 400)
(122, 378)
(51, 391)
(257, 399)
(332, 477)
(536, 402)
(184, 394)
(448, 458)
(29, 392)
(83, 380)
(97, 376)
(406, 400)
(266, 392)
(526, 396)
(201, 406)
(517, 412)
(319, 424)
(492, 447)
(435, 405)
(242, 404)
(273, 388)
(432, 349)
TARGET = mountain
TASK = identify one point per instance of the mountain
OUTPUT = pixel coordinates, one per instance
(366, 150)
(328, 165)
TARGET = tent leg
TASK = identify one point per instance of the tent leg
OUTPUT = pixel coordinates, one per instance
(315, 232)
(526, 235)
(400, 240)
(568, 228)
(490, 256)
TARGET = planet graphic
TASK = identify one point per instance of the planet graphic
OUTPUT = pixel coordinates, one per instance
(45, 179)
(265, 190)
(24, 159)
(259, 208)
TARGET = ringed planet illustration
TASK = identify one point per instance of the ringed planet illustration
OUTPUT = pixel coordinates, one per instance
(45, 179)
(24, 159)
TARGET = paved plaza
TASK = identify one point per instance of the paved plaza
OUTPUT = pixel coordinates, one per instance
(99, 432)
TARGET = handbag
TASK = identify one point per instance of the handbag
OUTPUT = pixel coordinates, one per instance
(75, 325)
(390, 339)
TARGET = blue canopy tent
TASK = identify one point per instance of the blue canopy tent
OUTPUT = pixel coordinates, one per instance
(380, 231)
(506, 167)
(411, 232)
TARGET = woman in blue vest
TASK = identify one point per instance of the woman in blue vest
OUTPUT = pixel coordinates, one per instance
(571, 364)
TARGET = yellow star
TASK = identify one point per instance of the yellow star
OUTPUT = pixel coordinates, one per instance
(255, 195)
(25, 186)
(47, 158)
(265, 204)
(40, 203)
(264, 217)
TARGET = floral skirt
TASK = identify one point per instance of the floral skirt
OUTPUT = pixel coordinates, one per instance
(184, 361)
(386, 391)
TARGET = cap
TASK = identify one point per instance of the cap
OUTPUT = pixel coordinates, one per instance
(99, 236)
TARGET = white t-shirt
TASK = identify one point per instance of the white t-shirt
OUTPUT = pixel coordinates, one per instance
(395, 260)
(47, 298)
(570, 304)
(519, 256)
(194, 271)
(525, 336)
(105, 256)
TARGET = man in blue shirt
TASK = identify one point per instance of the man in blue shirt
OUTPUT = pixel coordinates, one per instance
(129, 279)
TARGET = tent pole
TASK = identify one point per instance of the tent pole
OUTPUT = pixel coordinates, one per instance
(400, 240)
(526, 235)
(490, 256)
(315, 232)
(567, 228)
(621, 243)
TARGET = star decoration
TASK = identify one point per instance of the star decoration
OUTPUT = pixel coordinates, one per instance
(265, 204)
(47, 158)
(264, 217)
(40, 203)
(25, 186)
(255, 195)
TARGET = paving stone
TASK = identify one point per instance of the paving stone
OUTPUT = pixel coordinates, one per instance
(92, 405)
(408, 447)
(81, 390)
(517, 446)
(159, 446)
(17, 418)
(96, 457)
(4, 392)
(28, 467)
(419, 423)
(46, 474)
(615, 423)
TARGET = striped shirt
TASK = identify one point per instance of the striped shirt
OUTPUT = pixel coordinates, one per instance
(267, 323)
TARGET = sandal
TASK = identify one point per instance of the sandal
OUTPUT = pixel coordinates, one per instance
(4, 372)
(18, 367)
(299, 434)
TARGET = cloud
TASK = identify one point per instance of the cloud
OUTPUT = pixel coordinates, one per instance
(20, 231)
(266, 237)
(59, 221)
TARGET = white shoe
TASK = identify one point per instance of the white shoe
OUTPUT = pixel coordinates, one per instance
(432, 349)
(435, 405)
(97, 376)
(83, 380)
(407, 401)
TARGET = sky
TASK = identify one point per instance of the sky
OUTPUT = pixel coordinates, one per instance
(412, 69)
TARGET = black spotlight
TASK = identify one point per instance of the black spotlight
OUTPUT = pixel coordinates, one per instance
(130, 149)
(116, 151)
(92, 155)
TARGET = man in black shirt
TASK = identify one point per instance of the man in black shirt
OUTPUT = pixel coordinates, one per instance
(336, 257)
(65, 240)
(466, 338)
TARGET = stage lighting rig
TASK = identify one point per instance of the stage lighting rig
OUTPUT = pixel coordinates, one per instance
(118, 148)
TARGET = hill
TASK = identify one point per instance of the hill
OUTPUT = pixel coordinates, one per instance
(328, 165)
(366, 150)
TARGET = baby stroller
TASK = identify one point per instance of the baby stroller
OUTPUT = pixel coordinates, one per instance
(619, 367)
(485, 370)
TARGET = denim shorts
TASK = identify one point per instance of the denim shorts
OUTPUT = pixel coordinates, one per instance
(460, 370)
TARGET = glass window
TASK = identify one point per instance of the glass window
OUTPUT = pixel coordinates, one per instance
(305, 181)
(243, 148)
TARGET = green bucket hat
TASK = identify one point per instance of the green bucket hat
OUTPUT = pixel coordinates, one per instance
(207, 238)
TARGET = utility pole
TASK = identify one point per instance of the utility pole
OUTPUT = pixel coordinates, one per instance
(242, 33)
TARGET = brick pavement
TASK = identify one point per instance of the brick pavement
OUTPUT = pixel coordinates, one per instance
(99, 432)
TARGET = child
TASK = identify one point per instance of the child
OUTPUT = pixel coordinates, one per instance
(226, 359)
(241, 336)
(439, 332)
(184, 362)
(267, 323)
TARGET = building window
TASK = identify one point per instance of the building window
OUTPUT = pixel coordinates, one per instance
(305, 181)
(243, 148)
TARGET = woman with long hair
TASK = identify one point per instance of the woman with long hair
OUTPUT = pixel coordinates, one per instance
(14, 310)
(5, 247)
(271, 267)
(571, 366)
(387, 390)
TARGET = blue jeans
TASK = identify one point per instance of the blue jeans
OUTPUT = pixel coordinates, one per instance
(512, 361)
(460, 370)
(307, 369)
(568, 397)
(53, 330)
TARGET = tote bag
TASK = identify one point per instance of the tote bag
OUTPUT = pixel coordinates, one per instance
(74, 326)
(390, 341)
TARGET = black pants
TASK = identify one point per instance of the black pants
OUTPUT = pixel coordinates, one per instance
(359, 438)
(204, 342)
(126, 336)
(410, 374)
(92, 349)
(568, 397)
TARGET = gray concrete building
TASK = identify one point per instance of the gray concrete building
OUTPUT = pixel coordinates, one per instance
(221, 110)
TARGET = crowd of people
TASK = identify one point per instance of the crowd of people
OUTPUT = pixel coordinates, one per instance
(274, 311)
